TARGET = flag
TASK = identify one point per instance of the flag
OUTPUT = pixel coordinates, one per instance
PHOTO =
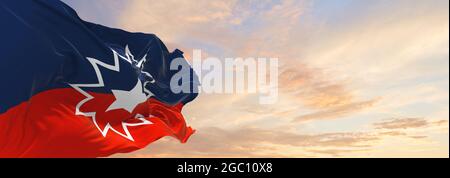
(71, 88)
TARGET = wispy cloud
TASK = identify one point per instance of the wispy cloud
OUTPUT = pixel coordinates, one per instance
(255, 142)
(251, 142)
(336, 112)
(403, 123)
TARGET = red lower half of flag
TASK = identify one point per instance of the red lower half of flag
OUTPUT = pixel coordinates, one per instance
(48, 126)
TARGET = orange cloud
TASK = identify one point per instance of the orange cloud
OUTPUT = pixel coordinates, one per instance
(252, 142)
(336, 112)
(407, 123)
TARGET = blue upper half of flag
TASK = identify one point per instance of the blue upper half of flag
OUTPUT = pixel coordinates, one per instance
(45, 45)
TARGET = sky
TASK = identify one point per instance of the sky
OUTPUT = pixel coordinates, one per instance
(357, 78)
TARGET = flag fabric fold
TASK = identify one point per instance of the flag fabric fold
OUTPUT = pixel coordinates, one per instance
(71, 88)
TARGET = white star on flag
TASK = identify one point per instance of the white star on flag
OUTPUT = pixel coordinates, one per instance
(126, 100)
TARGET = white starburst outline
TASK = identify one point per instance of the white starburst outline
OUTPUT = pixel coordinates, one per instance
(116, 67)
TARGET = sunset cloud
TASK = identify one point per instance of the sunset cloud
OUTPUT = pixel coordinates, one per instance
(336, 112)
(253, 142)
(250, 142)
(404, 123)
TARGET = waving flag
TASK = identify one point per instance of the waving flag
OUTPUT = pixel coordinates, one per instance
(71, 88)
